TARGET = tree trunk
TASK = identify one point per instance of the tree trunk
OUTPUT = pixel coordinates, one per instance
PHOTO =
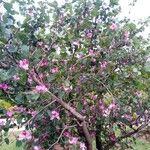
(98, 138)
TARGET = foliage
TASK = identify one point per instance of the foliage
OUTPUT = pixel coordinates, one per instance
(75, 73)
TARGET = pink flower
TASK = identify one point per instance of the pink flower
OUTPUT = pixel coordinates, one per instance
(54, 115)
(91, 52)
(9, 113)
(106, 112)
(33, 113)
(24, 64)
(3, 86)
(25, 135)
(138, 94)
(67, 134)
(73, 140)
(37, 147)
(89, 35)
(103, 65)
(126, 35)
(112, 137)
(55, 70)
(112, 106)
(82, 146)
(93, 97)
(30, 79)
(16, 77)
(113, 27)
(148, 59)
(43, 63)
(41, 89)
(67, 88)
(2, 122)
(19, 109)
(77, 43)
(79, 55)
(128, 117)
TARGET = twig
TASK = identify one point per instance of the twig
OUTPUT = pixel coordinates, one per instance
(67, 127)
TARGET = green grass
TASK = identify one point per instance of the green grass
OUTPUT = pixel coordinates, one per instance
(12, 143)
(141, 145)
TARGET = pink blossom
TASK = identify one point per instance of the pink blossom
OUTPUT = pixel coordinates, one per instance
(40, 44)
(2, 122)
(25, 135)
(30, 79)
(82, 146)
(77, 43)
(16, 77)
(79, 55)
(24, 64)
(106, 112)
(41, 89)
(3, 86)
(67, 134)
(43, 63)
(103, 65)
(89, 35)
(112, 137)
(126, 35)
(33, 113)
(148, 59)
(19, 109)
(9, 113)
(55, 70)
(112, 106)
(128, 117)
(1, 17)
(37, 147)
(73, 140)
(138, 94)
(54, 115)
(113, 26)
(67, 88)
(91, 52)
(94, 97)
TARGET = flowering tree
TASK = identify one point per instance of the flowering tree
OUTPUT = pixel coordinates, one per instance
(76, 75)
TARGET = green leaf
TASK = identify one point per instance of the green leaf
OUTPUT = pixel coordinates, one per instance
(25, 50)
(6, 141)
(8, 6)
(18, 143)
(147, 66)
(12, 49)
(33, 96)
(19, 99)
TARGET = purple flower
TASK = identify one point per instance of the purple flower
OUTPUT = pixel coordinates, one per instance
(16, 77)
(25, 135)
(113, 27)
(9, 114)
(54, 115)
(3, 86)
(55, 70)
(2, 122)
(37, 147)
(73, 140)
(103, 65)
(41, 89)
(89, 35)
(43, 63)
(82, 146)
(24, 64)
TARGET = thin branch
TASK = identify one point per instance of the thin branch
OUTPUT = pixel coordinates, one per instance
(67, 127)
